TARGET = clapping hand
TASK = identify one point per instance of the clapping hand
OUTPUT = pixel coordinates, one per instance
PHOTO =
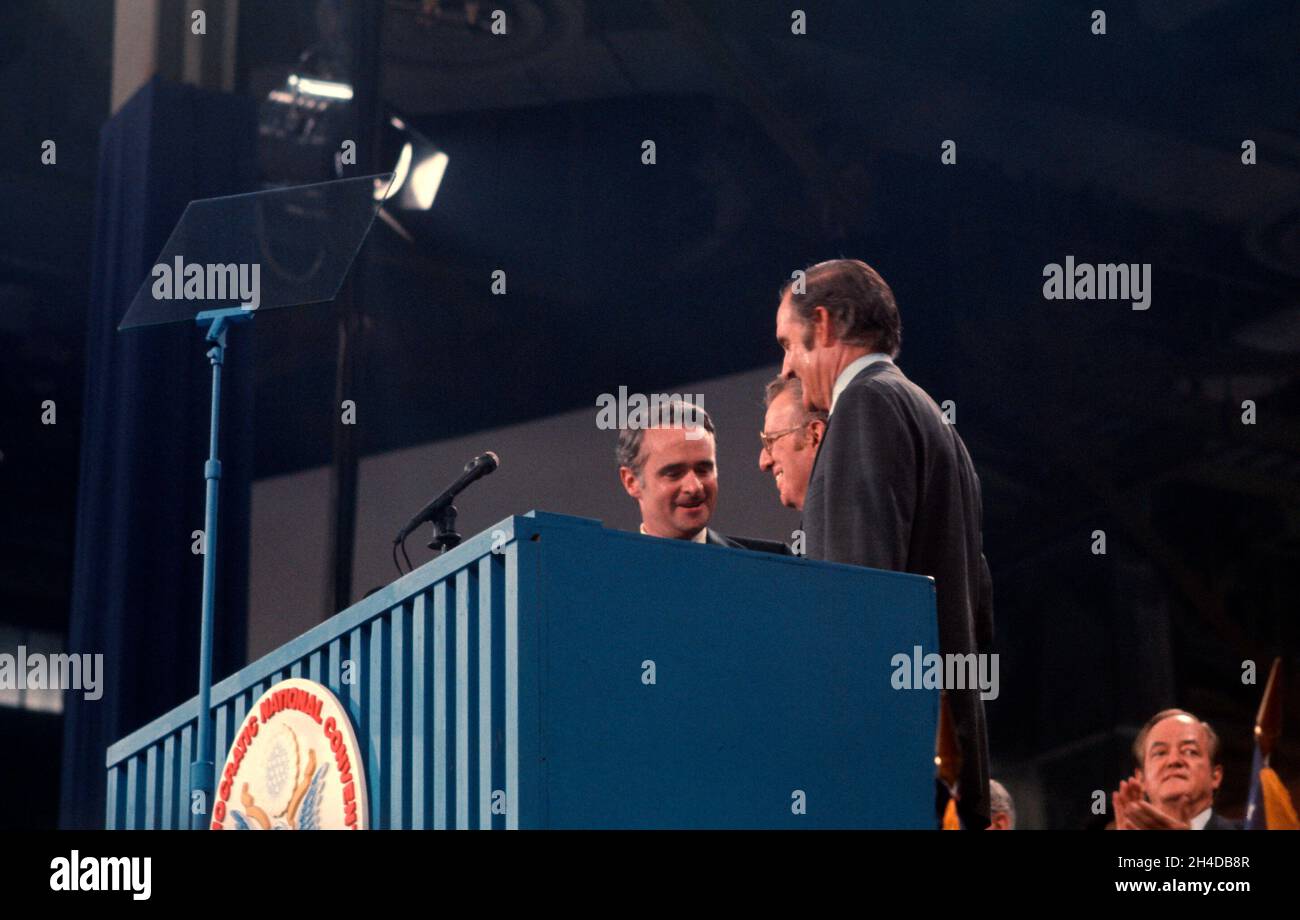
(1135, 813)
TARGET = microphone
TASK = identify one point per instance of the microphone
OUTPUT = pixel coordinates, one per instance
(476, 469)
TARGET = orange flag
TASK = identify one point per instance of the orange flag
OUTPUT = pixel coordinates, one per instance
(947, 762)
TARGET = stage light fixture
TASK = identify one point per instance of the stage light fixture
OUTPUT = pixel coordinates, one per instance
(418, 173)
(328, 89)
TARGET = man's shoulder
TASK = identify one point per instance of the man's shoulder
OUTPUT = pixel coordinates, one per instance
(762, 546)
(1219, 823)
(883, 389)
(882, 377)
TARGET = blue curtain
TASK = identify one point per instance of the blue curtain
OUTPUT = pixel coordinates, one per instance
(136, 581)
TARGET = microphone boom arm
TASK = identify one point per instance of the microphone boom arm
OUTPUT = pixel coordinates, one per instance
(442, 512)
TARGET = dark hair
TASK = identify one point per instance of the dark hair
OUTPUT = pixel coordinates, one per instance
(779, 385)
(1139, 743)
(860, 304)
(673, 412)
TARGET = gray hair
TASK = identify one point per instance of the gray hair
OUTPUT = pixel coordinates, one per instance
(1001, 803)
(673, 412)
(1140, 742)
(778, 386)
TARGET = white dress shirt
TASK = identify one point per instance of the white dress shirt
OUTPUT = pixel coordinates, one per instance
(701, 537)
(846, 376)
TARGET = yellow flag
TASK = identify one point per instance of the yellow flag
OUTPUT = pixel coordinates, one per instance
(1279, 813)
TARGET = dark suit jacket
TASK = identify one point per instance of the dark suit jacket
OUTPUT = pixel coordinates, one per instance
(894, 488)
(762, 546)
(1219, 823)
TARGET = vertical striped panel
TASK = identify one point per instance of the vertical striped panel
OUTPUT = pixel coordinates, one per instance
(432, 689)
(462, 699)
(242, 702)
(334, 670)
(354, 689)
(398, 731)
(485, 672)
(375, 729)
(511, 667)
(152, 785)
(171, 788)
(351, 674)
(134, 812)
(221, 731)
(186, 756)
(419, 727)
(113, 796)
(440, 737)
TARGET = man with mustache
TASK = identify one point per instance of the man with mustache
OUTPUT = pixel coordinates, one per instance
(791, 435)
(1177, 773)
(893, 486)
(669, 465)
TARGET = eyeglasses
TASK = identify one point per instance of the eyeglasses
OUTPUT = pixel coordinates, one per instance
(770, 438)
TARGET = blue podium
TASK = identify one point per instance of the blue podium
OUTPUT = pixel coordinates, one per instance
(551, 673)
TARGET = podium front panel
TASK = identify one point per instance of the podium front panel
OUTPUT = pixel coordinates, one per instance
(551, 673)
(771, 684)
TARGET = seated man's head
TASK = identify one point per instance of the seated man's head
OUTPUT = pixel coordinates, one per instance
(791, 435)
(670, 467)
(1002, 810)
(1178, 762)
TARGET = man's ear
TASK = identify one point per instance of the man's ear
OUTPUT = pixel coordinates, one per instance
(630, 482)
(1216, 777)
(816, 431)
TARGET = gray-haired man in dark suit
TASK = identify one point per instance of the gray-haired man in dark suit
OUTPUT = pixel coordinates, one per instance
(893, 486)
(1178, 773)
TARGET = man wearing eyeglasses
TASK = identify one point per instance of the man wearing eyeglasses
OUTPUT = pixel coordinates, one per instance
(893, 486)
(791, 435)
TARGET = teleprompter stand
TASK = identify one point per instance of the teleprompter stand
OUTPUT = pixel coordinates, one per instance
(226, 259)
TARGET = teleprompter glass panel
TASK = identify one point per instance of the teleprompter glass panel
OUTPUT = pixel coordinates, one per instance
(275, 248)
